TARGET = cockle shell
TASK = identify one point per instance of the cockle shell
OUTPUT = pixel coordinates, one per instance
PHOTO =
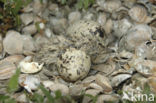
(30, 67)
(56, 86)
(103, 82)
(139, 13)
(135, 36)
(8, 66)
(7, 69)
(116, 80)
(121, 27)
(146, 50)
(111, 5)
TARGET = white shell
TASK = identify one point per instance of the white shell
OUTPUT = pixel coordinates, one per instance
(146, 50)
(74, 16)
(74, 64)
(138, 13)
(30, 67)
(27, 18)
(137, 35)
(8, 67)
(13, 43)
(111, 5)
(56, 86)
(121, 27)
(119, 79)
(103, 82)
(29, 82)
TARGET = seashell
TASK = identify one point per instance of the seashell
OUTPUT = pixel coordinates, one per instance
(129, 3)
(116, 80)
(76, 90)
(28, 43)
(111, 5)
(92, 92)
(95, 86)
(59, 25)
(15, 59)
(108, 26)
(13, 43)
(103, 82)
(2, 52)
(121, 13)
(7, 69)
(27, 18)
(146, 50)
(48, 32)
(152, 83)
(88, 16)
(38, 6)
(74, 64)
(107, 98)
(139, 14)
(30, 67)
(100, 2)
(56, 86)
(20, 97)
(30, 29)
(89, 79)
(139, 80)
(29, 82)
(121, 27)
(126, 54)
(135, 36)
(101, 58)
(8, 66)
(102, 19)
(105, 68)
(145, 67)
(74, 16)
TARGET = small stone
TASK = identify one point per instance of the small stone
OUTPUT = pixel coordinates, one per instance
(13, 43)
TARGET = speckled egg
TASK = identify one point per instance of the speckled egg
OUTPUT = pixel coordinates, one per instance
(88, 36)
(73, 64)
(85, 29)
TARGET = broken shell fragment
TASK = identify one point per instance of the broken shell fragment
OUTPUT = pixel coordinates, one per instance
(116, 80)
(56, 86)
(103, 82)
(146, 50)
(74, 64)
(30, 67)
(29, 82)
